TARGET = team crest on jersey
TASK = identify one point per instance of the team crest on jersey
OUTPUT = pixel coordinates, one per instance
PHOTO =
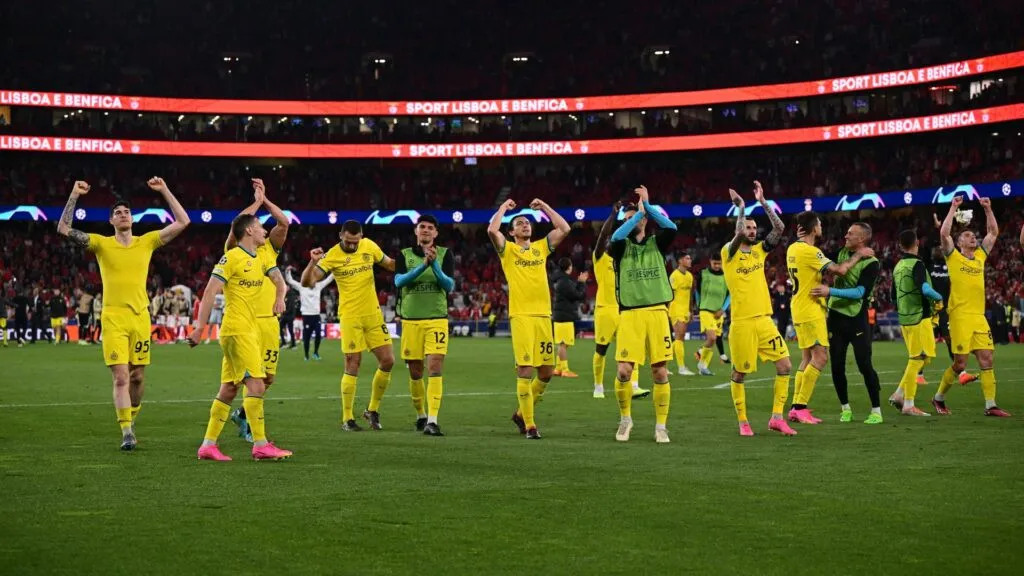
(536, 252)
(113, 356)
(624, 353)
(348, 259)
(366, 257)
(248, 265)
(746, 365)
(526, 357)
(407, 352)
(351, 345)
(959, 347)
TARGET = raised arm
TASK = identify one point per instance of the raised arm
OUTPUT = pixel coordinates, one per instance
(606, 231)
(258, 197)
(945, 231)
(181, 220)
(279, 233)
(741, 222)
(312, 273)
(660, 219)
(627, 227)
(778, 227)
(842, 269)
(81, 188)
(991, 226)
(291, 281)
(494, 226)
(278, 279)
(561, 229)
(213, 287)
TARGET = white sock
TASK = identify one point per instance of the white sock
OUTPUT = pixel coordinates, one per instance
(636, 385)
(846, 407)
(626, 419)
(431, 419)
(990, 404)
(940, 397)
(908, 404)
(599, 388)
(660, 427)
(260, 443)
(421, 416)
(208, 442)
(876, 411)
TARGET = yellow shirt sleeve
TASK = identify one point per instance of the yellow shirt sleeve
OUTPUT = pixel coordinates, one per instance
(152, 240)
(95, 243)
(675, 279)
(543, 246)
(223, 268)
(374, 250)
(268, 259)
(814, 258)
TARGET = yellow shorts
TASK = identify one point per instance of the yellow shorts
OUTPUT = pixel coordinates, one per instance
(125, 337)
(606, 323)
(709, 322)
(565, 333)
(755, 338)
(242, 358)
(676, 317)
(811, 333)
(360, 333)
(270, 342)
(532, 343)
(969, 333)
(645, 333)
(422, 338)
(57, 323)
(920, 339)
(3, 321)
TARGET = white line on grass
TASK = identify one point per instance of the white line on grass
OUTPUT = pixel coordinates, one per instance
(447, 395)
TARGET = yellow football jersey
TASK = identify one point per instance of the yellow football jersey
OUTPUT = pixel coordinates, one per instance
(805, 264)
(124, 269)
(604, 274)
(244, 275)
(353, 273)
(682, 285)
(268, 294)
(966, 283)
(744, 276)
(527, 275)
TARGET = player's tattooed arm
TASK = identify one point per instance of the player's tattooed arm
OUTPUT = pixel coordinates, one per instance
(64, 228)
(946, 229)
(741, 222)
(606, 230)
(775, 236)
(991, 226)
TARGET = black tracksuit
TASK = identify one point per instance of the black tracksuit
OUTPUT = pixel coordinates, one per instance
(845, 331)
(569, 292)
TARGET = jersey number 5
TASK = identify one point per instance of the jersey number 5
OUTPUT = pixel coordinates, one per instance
(796, 283)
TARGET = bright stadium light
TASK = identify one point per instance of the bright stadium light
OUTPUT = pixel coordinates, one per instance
(181, 117)
(214, 121)
(283, 119)
(327, 121)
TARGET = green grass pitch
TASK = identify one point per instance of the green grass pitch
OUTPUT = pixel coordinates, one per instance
(912, 496)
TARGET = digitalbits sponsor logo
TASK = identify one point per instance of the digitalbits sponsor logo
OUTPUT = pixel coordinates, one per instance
(456, 216)
(206, 216)
(580, 214)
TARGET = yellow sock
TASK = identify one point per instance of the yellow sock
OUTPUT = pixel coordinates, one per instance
(417, 391)
(254, 415)
(124, 418)
(780, 393)
(797, 383)
(948, 379)
(599, 362)
(348, 396)
(705, 356)
(634, 379)
(524, 390)
(680, 353)
(909, 381)
(662, 399)
(435, 388)
(739, 400)
(537, 388)
(381, 381)
(807, 387)
(624, 394)
(988, 385)
(565, 365)
(135, 411)
(218, 416)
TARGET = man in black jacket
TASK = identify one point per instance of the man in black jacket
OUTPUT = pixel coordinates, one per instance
(565, 312)
(21, 304)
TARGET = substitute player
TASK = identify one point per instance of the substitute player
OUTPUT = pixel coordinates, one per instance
(806, 263)
(241, 274)
(58, 316)
(681, 280)
(968, 328)
(606, 311)
(124, 267)
(351, 262)
(424, 275)
(754, 335)
(266, 319)
(916, 303)
(529, 304)
(713, 300)
(643, 293)
(849, 298)
(569, 292)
